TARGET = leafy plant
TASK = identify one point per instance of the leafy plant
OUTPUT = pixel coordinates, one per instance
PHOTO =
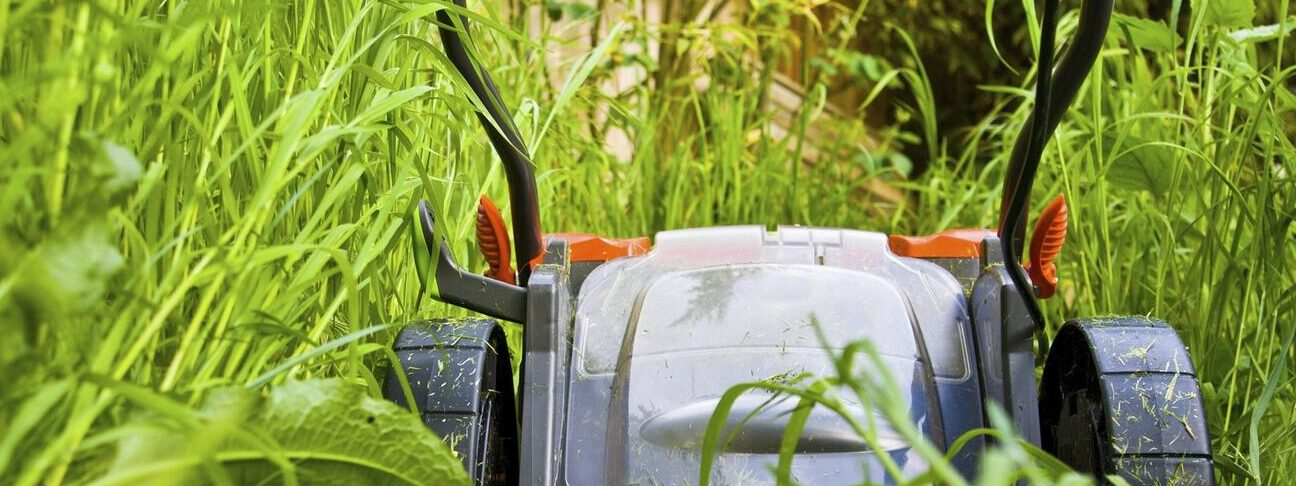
(322, 431)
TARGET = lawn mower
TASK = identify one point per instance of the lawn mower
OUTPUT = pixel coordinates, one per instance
(629, 345)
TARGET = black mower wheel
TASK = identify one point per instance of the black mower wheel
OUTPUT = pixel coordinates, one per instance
(462, 383)
(1120, 397)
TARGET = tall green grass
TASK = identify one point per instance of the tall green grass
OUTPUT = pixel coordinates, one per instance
(199, 195)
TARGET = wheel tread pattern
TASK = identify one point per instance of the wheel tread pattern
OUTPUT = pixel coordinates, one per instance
(1148, 422)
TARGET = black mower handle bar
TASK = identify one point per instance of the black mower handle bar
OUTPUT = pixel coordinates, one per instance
(1095, 16)
(527, 240)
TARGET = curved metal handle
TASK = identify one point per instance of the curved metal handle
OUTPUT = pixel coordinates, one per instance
(443, 279)
(528, 244)
(1095, 16)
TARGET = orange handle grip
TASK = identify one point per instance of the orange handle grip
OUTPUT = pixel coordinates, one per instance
(493, 241)
(1046, 244)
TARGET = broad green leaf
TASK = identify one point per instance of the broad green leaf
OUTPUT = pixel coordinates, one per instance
(325, 432)
(1227, 13)
(1141, 166)
(125, 168)
(71, 272)
(1143, 33)
(337, 434)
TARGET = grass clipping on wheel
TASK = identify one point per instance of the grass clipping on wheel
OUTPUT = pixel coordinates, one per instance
(322, 431)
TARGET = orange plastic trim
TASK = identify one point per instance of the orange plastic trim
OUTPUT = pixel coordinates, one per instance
(493, 241)
(1046, 243)
(585, 247)
(955, 243)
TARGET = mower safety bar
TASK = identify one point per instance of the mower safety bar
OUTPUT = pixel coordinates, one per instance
(504, 137)
(446, 281)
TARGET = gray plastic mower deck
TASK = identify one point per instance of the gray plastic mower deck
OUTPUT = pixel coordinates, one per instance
(659, 337)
